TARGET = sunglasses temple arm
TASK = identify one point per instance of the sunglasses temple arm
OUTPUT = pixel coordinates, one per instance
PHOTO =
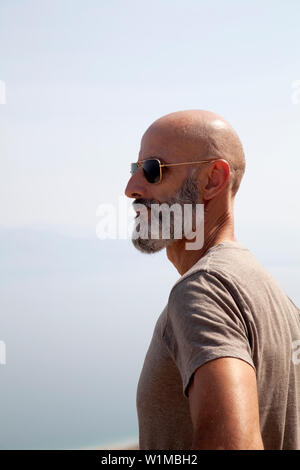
(185, 163)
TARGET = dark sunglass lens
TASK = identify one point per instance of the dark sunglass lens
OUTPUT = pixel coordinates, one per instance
(151, 171)
(134, 168)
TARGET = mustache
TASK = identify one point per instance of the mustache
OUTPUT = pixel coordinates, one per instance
(145, 202)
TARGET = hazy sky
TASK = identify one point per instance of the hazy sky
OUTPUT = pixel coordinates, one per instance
(85, 79)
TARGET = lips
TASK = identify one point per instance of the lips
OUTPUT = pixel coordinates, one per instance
(141, 213)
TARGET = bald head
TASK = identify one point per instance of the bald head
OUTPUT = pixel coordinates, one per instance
(194, 135)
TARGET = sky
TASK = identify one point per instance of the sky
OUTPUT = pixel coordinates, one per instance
(83, 81)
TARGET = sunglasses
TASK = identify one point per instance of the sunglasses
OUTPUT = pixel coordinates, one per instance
(152, 168)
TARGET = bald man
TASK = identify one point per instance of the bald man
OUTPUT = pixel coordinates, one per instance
(222, 370)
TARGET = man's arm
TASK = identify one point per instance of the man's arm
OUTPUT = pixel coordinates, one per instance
(224, 406)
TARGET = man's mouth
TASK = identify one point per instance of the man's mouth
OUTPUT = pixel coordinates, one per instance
(138, 212)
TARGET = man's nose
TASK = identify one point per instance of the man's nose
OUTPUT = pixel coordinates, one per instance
(137, 185)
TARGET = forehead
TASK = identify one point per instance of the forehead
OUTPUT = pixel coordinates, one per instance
(163, 144)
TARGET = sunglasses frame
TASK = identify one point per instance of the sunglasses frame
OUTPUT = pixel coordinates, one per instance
(140, 164)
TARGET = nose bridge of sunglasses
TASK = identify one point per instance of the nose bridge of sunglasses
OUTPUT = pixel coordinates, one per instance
(134, 168)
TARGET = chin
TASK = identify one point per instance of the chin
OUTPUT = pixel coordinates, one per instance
(148, 245)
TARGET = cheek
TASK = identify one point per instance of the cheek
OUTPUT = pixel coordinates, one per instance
(172, 180)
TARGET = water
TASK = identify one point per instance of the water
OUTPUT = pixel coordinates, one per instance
(76, 320)
(77, 316)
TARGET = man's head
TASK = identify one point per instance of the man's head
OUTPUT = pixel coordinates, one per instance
(189, 136)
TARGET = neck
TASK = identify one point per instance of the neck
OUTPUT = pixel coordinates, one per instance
(216, 231)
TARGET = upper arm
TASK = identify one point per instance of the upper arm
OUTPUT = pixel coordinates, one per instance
(224, 405)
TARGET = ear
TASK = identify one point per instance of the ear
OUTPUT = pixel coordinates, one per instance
(217, 178)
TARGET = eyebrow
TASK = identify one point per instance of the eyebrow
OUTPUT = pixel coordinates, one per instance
(153, 158)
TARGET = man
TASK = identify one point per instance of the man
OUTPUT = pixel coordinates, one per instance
(221, 370)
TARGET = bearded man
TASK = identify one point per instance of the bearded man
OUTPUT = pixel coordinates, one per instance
(220, 371)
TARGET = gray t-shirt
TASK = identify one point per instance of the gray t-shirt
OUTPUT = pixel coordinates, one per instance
(227, 304)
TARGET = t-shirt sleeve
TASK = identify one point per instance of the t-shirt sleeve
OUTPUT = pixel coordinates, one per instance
(204, 322)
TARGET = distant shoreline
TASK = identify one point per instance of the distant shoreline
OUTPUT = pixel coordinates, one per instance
(129, 444)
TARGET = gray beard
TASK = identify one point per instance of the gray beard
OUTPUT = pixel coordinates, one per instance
(188, 193)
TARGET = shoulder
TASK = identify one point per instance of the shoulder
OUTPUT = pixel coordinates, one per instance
(203, 285)
(209, 300)
(228, 269)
